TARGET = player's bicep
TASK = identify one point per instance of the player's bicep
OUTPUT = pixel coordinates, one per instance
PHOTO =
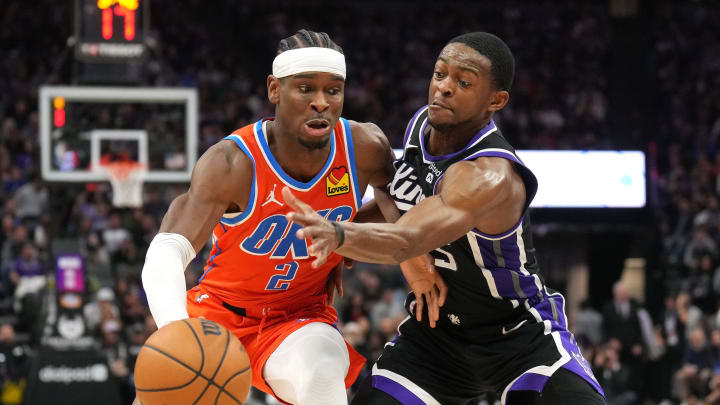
(476, 188)
(192, 218)
(218, 180)
(374, 153)
(384, 164)
(488, 189)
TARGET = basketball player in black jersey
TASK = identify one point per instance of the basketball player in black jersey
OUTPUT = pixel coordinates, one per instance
(464, 194)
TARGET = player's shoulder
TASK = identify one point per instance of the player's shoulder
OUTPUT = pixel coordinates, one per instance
(222, 161)
(368, 139)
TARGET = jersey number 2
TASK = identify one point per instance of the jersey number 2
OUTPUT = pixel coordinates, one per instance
(282, 281)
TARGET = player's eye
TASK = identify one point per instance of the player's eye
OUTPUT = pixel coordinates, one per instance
(439, 74)
(304, 88)
(464, 84)
(334, 91)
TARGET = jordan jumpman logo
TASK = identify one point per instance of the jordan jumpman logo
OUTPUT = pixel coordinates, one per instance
(271, 198)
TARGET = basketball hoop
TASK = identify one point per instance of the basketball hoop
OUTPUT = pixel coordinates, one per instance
(127, 179)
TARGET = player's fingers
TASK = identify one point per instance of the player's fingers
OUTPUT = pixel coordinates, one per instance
(432, 308)
(321, 259)
(442, 290)
(312, 232)
(295, 203)
(303, 219)
(420, 304)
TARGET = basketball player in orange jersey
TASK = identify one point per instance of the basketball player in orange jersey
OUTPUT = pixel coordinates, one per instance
(258, 281)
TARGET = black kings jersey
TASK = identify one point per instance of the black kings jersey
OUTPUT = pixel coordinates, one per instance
(490, 278)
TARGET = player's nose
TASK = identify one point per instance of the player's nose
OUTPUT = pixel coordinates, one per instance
(319, 102)
(444, 86)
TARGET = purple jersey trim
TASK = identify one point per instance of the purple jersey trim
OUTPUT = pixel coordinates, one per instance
(396, 390)
(530, 382)
(432, 158)
(411, 125)
(502, 235)
(507, 155)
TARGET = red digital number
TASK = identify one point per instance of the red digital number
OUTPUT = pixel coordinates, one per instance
(108, 14)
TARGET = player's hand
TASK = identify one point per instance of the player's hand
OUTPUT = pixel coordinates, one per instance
(335, 282)
(320, 231)
(427, 284)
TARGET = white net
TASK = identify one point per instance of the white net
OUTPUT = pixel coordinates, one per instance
(127, 180)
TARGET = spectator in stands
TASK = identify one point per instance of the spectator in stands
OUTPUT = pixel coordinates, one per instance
(114, 235)
(691, 381)
(699, 284)
(133, 309)
(688, 314)
(621, 323)
(13, 366)
(101, 309)
(614, 377)
(28, 274)
(387, 308)
(13, 245)
(117, 356)
(588, 322)
(624, 332)
(700, 245)
(354, 309)
(6, 228)
(136, 339)
(31, 199)
(671, 328)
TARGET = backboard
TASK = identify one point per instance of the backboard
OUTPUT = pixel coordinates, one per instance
(83, 126)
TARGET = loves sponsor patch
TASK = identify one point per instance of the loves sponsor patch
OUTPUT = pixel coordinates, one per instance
(338, 181)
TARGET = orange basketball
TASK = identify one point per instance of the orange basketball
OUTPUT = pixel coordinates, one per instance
(192, 361)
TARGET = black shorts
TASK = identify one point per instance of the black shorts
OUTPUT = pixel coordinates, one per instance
(430, 366)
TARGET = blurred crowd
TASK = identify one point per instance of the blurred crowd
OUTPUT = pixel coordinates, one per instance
(559, 101)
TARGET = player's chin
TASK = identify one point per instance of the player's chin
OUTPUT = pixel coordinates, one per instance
(440, 124)
(440, 115)
(313, 142)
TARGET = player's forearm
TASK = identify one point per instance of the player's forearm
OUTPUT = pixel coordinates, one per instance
(379, 243)
(163, 277)
(428, 225)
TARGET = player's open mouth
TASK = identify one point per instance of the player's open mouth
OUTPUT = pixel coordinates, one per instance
(317, 127)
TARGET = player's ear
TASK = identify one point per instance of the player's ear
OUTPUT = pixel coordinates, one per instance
(498, 100)
(273, 85)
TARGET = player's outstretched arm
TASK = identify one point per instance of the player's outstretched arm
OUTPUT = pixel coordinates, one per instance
(486, 194)
(220, 179)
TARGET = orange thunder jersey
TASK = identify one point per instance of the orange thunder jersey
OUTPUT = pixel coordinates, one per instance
(256, 259)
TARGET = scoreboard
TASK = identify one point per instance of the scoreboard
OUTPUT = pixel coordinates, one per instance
(111, 30)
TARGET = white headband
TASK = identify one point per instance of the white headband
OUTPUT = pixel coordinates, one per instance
(312, 59)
